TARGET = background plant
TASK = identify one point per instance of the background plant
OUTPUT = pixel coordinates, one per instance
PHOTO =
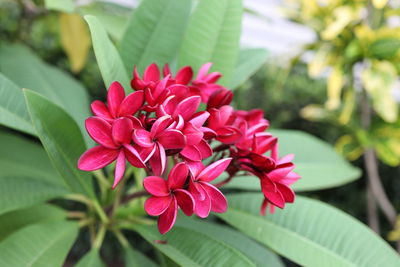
(40, 233)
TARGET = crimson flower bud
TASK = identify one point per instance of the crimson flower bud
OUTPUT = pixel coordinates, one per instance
(220, 98)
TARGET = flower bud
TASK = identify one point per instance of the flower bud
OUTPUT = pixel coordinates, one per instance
(220, 98)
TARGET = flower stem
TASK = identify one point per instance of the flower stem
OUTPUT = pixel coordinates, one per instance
(121, 238)
(100, 237)
(100, 211)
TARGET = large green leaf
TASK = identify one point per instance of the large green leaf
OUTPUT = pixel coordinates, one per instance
(213, 35)
(250, 60)
(20, 157)
(316, 161)
(60, 5)
(13, 112)
(20, 192)
(23, 67)
(14, 220)
(154, 33)
(62, 140)
(91, 259)
(38, 245)
(192, 248)
(134, 258)
(310, 233)
(109, 61)
(256, 253)
(113, 16)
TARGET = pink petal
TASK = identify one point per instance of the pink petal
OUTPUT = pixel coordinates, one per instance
(115, 96)
(200, 118)
(151, 73)
(218, 200)
(100, 131)
(286, 159)
(160, 89)
(185, 201)
(119, 168)
(168, 218)
(281, 172)
(156, 186)
(100, 109)
(270, 192)
(192, 153)
(195, 167)
(122, 131)
(166, 70)
(155, 206)
(171, 139)
(205, 149)
(214, 170)
(142, 138)
(202, 205)
(193, 134)
(158, 160)
(131, 103)
(160, 125)
(136, 124)
(286, 192)
(203, 71)
(228, 135)
(187, 107)
(184, 75)
(133, 156)
(96, 158)
(177, 176)
(178, 90)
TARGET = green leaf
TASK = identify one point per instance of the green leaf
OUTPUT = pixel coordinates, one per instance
(113, 17)
(191, 248)
(385, 48)
(20, 157)
(62, 140)
(213, 35)
(12, 106)
(154, 33)
(23, 67)
(250, 60)
(91, 259)
(316, 161)
(259, 255)
(60, 5)
(109, 61)
(134, 258)
(13, 221)
(20, 192)
(38, 245)
(310, 233)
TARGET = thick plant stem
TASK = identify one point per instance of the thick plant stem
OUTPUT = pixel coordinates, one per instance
(372, 211)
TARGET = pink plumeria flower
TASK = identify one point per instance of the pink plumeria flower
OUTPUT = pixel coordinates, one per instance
(114, 145)
(117, 104)
(157, 140)
(205, 83)
(151, 76)
(183, 76)
(218, 122)
(207, 197)
(167, 196)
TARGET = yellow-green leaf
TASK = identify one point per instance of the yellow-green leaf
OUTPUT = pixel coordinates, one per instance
(335, 84)
(378, 80)
(348, 147)
(379, 3)
(75, 40)
(343, 15)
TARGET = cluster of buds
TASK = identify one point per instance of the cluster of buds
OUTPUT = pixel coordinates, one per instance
(160, 128)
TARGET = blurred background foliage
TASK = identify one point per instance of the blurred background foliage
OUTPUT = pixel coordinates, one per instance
(355, 58)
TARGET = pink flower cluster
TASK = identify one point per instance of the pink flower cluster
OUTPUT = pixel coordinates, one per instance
(159, 127)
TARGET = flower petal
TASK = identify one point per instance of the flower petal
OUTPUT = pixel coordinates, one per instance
(133, 156)
(100, 131)
(184, 75)
(119, 168)
(203, 71)
(185, 201)
(100, 109)
(142, 138)
(218, 200)
(168, 218)
(286, 192)
(122, 131)
(155, 206)
(214, 170)
(172, 139)
(160, 125)
(202, 205)
(156, 186)
(281, 171)
(151, 73)
(205, 149)
(158, 160)
(96, 158)
(131, 103)
(200, 118)
(178, 175)
(192, 153)
(271, 192)
(187, 107)
(115, 96)
(192, 133)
